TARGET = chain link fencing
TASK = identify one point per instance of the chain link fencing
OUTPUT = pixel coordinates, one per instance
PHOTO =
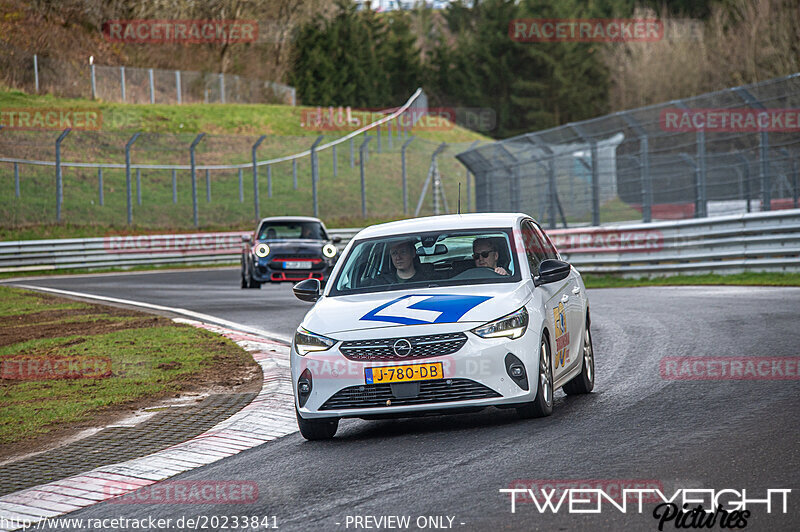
(37, 74)
(158, 181)
(726, 152)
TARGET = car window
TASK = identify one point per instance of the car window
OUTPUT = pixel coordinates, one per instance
(549, 249)
(441, 258)
(534, 246)
(278, 230)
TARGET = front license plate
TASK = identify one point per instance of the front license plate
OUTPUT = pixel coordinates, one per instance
(295, 265)
(417, 372)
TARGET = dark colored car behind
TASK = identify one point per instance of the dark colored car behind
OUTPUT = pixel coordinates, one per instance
(287, 249)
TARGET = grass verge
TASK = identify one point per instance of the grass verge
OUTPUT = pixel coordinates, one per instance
(739, 279)
(65, 363)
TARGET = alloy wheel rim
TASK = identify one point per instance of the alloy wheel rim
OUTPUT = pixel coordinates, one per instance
(588, 358)
(544, 376)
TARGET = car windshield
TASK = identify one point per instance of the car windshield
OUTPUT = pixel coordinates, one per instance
(437, 258)
(278, 230)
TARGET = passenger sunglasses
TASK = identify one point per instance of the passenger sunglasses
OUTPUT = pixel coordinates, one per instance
(483, 254)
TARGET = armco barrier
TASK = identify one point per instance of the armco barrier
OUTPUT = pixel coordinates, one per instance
(768, 241)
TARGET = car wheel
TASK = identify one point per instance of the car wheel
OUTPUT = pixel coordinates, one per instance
(584, 381)
(248, 278)
(542, 405)
(244, 277)
(317, 429)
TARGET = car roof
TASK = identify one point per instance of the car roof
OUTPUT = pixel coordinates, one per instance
(290, 219)
(449, 222)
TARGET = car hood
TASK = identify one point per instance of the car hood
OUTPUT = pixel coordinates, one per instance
(294, 246)
(418, 311)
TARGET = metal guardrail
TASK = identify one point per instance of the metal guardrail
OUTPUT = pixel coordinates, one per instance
(767, 241)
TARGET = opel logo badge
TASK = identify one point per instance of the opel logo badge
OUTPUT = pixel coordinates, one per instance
(402, 347)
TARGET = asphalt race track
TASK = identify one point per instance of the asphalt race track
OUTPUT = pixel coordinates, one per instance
(635, 427)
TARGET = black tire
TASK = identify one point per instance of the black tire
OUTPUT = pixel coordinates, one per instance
(247, 279)
(542, 405)
(317, 429)
(244, 277)
(584, 381)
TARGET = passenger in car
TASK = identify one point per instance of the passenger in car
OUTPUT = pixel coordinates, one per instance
(485, 253)
(406, 263)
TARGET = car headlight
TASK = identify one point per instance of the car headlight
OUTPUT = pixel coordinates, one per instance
(262, 250)
(306, 342)
(329, 250)
(511, 326)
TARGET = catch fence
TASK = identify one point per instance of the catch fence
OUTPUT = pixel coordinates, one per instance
(726, 152)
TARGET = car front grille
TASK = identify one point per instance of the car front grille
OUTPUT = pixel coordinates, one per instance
(430, 392)
(433, 345)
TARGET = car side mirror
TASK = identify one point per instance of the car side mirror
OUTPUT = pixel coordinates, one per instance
(246, 239)
(550, 271)
(308, 290)
(336, 239)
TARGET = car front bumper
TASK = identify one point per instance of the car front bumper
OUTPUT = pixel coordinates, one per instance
(474, 376)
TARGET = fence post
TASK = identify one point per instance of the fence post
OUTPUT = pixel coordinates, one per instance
(16, 180)
(365, 152)
(241, 187)
(352, 158)
(59, 182)
(647, 184)
(178, 86)
(794, 182)
(94, 83)
(315, 173)
(294, 173)
(763, 159)
(222, 88)
(389, 133)
(122, 83)
(405, 177)
(138, 186)
(174, 186)
(702, 202)
(746, 179)
(197, 139)
(335, 165)
(255, 177)
(36, 72)
(100, 184)
(595, 184)
(469, 190)
(208, 187)
(269, 180)
(152, 86)
(361, 158)
(128, 175)
(378, 131)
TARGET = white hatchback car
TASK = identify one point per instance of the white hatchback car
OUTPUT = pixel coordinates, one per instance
(441, 314)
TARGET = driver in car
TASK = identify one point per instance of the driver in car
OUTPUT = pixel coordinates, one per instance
(486, 255)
